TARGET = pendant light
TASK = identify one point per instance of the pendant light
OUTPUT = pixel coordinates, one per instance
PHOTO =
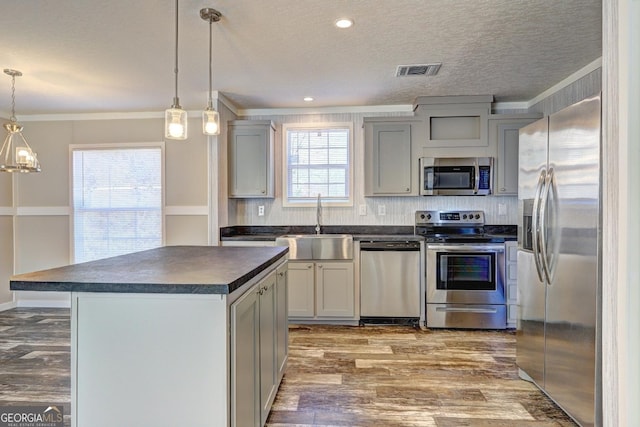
(16, 155)
(210, 117)
(175, 118)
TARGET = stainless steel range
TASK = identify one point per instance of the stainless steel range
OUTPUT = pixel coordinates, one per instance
(464, 271)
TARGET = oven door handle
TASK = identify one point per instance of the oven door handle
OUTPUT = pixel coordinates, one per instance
(467, 310)
(465, 247)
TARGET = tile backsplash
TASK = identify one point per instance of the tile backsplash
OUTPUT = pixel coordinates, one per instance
(398, 210)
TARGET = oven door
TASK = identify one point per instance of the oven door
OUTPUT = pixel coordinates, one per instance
(465, 273)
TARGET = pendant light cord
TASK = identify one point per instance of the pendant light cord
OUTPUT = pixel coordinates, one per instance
(176, 102)
(210, 104)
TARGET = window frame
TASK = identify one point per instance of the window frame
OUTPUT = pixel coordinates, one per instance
(115, 146)
(311, 202)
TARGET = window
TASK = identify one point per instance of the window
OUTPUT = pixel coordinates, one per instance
(318, 161)
(117, 200)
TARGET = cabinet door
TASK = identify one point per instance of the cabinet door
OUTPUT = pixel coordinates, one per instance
(268, 340)
(282, 327)
(391, 152)
(245, 357)
(511, 282)
(250, 157)
(335, 289)
(301, 290)
(506, 164)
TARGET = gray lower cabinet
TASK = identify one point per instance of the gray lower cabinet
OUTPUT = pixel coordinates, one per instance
(321, 290)
(245, 353)
(282, 320)
(251, 158)
(389, 162)
(302, 290)
(504, 133)
(258, 349)
(511, 282)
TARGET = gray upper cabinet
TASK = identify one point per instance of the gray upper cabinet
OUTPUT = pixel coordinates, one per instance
(454, 124)
(389, 162)
(504, 133)
(251, 161)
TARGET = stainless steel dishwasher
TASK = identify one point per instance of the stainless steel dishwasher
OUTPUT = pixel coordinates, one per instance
(389, 282)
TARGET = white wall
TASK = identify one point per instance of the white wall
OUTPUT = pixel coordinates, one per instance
(621, 228)
(6, 236)
(42, 223)
(399, 210)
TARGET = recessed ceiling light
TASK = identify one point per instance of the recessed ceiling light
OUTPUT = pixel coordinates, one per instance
(344, 23)
(307, 99)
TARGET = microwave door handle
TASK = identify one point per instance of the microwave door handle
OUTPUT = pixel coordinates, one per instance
(535, 225)
(477, 181)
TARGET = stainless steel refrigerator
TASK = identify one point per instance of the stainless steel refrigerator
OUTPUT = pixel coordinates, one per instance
(559, 244)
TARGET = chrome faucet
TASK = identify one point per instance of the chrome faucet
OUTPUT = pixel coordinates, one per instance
(318, 215)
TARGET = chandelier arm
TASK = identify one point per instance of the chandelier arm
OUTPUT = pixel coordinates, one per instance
(4, 146)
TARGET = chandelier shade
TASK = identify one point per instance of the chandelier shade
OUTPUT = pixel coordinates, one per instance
(16, 154)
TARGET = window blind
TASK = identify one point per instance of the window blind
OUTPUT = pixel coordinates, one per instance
(117, 201)
(317, 163)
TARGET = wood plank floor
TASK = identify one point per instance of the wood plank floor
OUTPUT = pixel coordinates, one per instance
(337, 376)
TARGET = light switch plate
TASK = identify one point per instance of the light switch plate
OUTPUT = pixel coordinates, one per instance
(382, 210)
(502, 209)
(260, 210)
(362, 210)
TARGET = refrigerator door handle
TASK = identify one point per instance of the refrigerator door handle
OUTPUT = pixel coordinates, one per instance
(535, 225)
(548, 265)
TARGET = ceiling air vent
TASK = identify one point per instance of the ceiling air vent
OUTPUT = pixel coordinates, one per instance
(418, 70)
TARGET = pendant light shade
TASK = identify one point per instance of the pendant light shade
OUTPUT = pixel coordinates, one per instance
(16, 155)
(175, 118)
(210, 117)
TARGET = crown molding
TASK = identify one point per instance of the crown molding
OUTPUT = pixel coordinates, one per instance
(404, 108)
(594, 65)
(220, 97)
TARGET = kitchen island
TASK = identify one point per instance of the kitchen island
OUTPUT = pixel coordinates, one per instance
(178, 335)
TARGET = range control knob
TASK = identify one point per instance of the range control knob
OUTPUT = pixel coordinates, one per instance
(428, 216)
(421, 216)
(464, 216)
(477, 216)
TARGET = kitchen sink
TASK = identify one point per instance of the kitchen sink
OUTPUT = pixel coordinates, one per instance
(317, 246)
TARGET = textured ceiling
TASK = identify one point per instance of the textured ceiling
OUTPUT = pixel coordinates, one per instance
(117, 56)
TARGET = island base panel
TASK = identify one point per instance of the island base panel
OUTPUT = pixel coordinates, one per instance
(149, 359)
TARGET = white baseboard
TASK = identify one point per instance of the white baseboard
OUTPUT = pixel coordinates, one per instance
(43, 299)
(7, 305)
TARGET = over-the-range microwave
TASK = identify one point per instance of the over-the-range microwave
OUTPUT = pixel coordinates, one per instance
(456, 176)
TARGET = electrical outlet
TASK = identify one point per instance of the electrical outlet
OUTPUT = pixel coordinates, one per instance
(502, 209)
(382, 210)
(260, 210)
(362, 210)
